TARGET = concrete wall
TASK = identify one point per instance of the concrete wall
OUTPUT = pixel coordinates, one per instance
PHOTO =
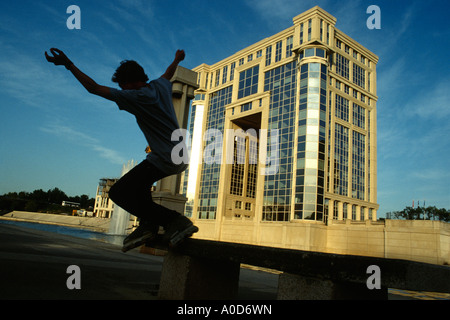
(418, 240)
(95, 224)
(423, 241)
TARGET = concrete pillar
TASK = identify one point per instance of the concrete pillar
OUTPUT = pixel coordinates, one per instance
(188, 278)
(184, 82)
(340, 211)
(330, 212)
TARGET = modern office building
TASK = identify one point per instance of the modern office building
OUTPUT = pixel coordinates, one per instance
(284, 149)
(294, 117)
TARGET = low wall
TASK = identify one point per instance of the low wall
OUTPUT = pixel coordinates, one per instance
(91, 223)
(416, 240)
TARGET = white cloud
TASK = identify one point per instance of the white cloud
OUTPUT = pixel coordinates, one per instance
(83, 139)
(434, 103)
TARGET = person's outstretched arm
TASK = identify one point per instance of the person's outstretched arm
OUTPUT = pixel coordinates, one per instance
(59, 58)
(179, 56)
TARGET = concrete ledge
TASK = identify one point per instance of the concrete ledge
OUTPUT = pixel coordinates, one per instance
(206, 266)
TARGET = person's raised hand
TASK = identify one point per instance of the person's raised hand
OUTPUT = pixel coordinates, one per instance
(179, 55)
(59, 58)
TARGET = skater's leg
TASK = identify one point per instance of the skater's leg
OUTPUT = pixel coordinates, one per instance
(133, 194)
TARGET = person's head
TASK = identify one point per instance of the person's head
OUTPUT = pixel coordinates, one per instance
(130, 75)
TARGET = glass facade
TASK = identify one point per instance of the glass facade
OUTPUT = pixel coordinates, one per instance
(210, 172)
(341, 149)
(358, 165)
(310, 174)
(281, 82)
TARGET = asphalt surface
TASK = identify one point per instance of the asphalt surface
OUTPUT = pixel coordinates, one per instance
(34, 265)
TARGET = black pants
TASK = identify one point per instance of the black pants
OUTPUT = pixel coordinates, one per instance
(132, 193)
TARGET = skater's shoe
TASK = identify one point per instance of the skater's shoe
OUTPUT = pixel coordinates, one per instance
(178, 230)
(145, 232)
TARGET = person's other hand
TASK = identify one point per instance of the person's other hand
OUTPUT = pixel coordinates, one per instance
(59, 58)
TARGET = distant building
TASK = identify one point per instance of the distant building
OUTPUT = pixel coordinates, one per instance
(104, 206)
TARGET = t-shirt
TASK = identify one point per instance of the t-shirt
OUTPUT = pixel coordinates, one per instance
(152, 106)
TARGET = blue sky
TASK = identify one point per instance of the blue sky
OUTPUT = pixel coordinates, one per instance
(54, 134)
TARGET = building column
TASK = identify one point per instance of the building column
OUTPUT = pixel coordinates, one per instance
(184, 82)
(330, 212)
(366, 213)
(340, 210)
(358, 213)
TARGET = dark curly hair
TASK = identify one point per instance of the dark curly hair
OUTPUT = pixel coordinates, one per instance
(129, 71)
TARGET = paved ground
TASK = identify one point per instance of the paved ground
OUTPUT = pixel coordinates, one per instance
(33, 265)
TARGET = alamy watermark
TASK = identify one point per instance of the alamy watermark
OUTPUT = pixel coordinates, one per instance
(374, 281)
(374, 21)
(74, 280)
(74, 21)
(268, 154)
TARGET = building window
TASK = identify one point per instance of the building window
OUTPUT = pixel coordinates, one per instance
(309, 29)
(248, 82)
(342, 66)
(224, 74)
(321, 30)
(342, 108)
(289, 44)
(359, 116)
(250, 58)
(341, 160)
(328, 33)
(237, 172)
(335, 210)
(252, 169)
(246, 107)
(358, 165)
(301, 33)
(346, 89)
(278, 51)
(359, 76)
(244, 162)
(217, 77)
(259, 54)
(268, 55)
(233, 67)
